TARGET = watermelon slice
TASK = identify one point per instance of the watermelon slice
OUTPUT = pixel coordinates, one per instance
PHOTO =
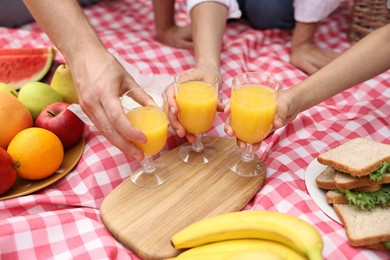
(19, 66)
(24, 51)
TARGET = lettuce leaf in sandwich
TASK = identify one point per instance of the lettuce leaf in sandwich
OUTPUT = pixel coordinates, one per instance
(378, 174)
(368, 200)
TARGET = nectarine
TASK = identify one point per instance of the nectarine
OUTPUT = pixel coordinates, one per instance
(14, 117)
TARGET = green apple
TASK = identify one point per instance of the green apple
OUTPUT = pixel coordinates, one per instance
(36, 96)
(7, 88)
(62, 82)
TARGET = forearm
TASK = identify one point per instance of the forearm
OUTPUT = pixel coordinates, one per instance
(208, 24)
(366, 59)
(303, 34)
(164, 15)
(66, 25)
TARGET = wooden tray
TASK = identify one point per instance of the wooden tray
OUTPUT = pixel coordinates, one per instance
(144, 220)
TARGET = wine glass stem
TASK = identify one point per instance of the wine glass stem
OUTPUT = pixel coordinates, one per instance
(197, 146)
(247, 155)
(148, 164)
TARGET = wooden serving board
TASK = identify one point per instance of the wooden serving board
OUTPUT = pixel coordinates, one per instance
(144, 220)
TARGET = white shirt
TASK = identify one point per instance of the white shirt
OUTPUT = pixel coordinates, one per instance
(309, 11)
(304, 10)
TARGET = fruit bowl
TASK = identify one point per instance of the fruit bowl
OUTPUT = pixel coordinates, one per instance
(24, 187)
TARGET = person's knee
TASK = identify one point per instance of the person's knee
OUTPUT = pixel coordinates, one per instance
(14, 13)
(266, 14)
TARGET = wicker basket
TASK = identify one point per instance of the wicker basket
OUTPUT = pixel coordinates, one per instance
(368, 15)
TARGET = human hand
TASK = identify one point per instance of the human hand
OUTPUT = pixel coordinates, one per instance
(100, 81)
(200, 73)
(173, 115)
(309, 58)
(287, 108)
(230, 132)
(286, 111)
(178, 37)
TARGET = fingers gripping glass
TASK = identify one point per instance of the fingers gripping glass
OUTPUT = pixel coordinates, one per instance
(253, 108)
(151, 118)
(196, 93)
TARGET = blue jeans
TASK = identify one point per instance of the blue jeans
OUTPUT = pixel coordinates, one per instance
(14, 13)
(268, 14)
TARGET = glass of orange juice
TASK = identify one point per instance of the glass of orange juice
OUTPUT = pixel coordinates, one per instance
(196, 93)
(152, 120)
(252, 110)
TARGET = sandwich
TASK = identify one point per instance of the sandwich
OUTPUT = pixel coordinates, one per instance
(358, 172)
(361, 192)
(357, 184)
(359, 157)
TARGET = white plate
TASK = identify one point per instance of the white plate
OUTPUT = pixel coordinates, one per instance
(318, 195)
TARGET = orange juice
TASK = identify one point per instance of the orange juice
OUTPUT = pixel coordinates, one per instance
(252, 112)
(154, 124)
(197, 103)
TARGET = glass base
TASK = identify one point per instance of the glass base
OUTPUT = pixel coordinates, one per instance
(189, 156)
(251, 168)
(151, 179)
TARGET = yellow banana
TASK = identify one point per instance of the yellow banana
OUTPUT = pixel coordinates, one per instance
(255, 253)
(279, 227)
(225, 249)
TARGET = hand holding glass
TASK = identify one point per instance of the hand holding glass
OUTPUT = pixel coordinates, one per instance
(152, 120)
(252, 112)
(196, 93)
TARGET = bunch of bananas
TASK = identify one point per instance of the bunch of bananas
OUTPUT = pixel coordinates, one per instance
(249, 235)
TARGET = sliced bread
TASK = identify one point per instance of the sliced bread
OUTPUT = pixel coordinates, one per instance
(378, 246)
(358, 157)
(325, 180)
(329, 179)
(333, 197)
(364, 228)
(369, 188)
(345, 181)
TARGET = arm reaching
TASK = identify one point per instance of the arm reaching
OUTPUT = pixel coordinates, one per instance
(208, 20)
(98, 76)
(366, 59)
(208, 25)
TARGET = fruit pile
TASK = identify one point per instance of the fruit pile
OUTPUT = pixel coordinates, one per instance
(249, 235)
(36, 126)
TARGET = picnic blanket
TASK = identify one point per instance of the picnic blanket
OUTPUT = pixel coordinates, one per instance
(62, 221)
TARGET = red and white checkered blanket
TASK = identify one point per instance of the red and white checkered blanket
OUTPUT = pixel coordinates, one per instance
(62, 221)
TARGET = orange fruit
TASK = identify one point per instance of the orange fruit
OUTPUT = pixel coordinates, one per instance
(14, 117)
(36, 153)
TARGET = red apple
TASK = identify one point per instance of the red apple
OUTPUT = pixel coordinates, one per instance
(62, 122)
(7, 171)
